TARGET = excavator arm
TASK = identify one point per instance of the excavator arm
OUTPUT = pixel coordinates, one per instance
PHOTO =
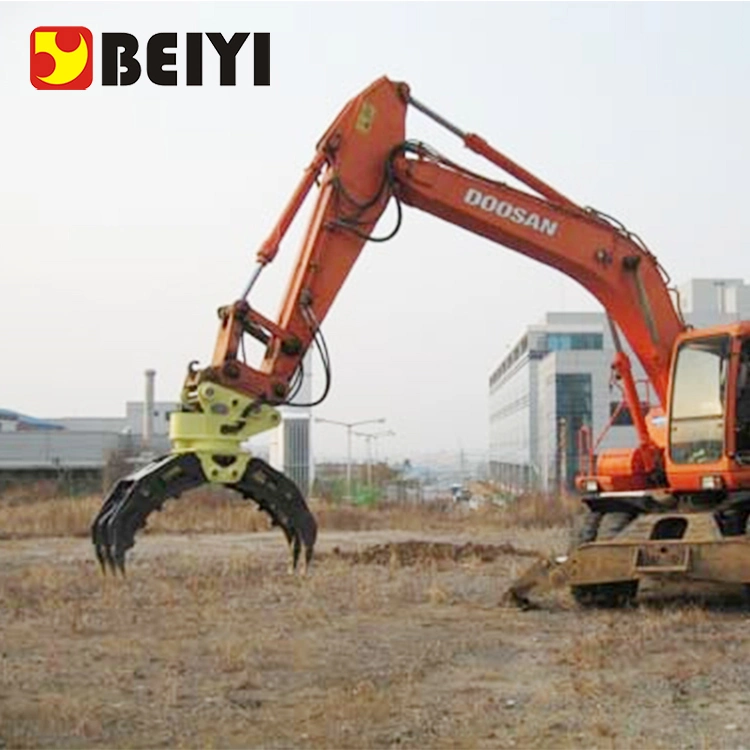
(363, 163)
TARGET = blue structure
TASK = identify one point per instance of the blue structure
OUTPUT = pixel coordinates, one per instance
(23, 422)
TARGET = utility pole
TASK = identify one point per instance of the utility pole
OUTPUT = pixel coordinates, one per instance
(349, 427)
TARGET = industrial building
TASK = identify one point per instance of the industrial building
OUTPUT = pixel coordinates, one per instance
(81, 447)
(557, 378)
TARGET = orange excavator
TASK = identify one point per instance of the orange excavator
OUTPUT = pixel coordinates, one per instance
(675, 505)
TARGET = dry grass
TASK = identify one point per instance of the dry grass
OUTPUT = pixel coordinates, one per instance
(197, 512)
(208, 643)
(36, 512)
(541, 510)
(212, 645)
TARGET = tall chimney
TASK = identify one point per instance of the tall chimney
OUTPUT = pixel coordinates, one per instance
(148, 409)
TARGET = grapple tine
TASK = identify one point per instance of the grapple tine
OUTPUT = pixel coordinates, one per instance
(100, 558)
(119, 563)
(99, 535)
(280, 497)
(134, 498)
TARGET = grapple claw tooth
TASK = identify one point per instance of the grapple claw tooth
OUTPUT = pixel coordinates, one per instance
(133, 499)
(278, 496)
(100, 558)
(109, 559)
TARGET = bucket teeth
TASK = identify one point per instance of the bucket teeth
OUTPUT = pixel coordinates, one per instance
(131, 501)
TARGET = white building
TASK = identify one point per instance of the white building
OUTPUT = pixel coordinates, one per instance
(557, 378)
(290, 449)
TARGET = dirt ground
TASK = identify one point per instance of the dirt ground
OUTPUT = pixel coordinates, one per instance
(209, 642)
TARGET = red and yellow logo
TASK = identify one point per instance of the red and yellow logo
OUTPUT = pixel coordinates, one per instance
(62, 57)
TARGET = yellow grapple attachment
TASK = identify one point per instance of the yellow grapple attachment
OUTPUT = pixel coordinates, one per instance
(206, 448)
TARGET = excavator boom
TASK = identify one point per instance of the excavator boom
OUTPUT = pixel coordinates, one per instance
(362, 162)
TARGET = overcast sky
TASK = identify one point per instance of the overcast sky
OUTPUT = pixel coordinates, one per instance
(128, 215)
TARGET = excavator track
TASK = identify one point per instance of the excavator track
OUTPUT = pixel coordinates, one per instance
(132, 500)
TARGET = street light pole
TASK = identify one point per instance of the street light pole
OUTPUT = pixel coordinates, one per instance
(349, 462)
(369, 437)
(349, 426)
(368, 440)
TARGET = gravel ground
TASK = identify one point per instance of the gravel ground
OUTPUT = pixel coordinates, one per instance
(209, 643)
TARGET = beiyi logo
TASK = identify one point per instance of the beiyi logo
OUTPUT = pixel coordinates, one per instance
(62, 57)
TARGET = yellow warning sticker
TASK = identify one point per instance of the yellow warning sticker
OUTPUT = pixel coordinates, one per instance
(365, 117)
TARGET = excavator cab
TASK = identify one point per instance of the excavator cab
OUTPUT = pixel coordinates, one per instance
(698, 410)
(742, 405)
(709, 412)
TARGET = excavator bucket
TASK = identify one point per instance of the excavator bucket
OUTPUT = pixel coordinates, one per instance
(206, 449)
